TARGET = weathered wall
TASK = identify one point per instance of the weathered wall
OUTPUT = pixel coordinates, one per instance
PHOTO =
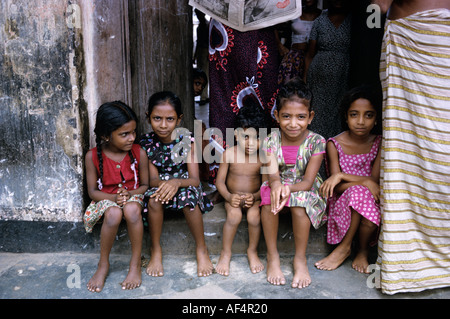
(134, 48)
(59, 61)
(41, 146)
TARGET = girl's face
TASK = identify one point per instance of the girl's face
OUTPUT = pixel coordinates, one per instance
(294, 118)
(361, 117)
(122, 139)
(164, 120)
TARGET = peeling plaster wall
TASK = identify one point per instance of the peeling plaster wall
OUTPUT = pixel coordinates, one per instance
(41, 150)
(54, 74)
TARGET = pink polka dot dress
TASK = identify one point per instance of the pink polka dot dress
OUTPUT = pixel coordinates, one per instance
(357, 197)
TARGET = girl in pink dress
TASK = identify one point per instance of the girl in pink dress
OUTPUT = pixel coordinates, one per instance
(353, 191)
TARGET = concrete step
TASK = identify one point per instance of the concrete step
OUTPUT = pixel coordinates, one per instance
(176, 237)
(45, 237)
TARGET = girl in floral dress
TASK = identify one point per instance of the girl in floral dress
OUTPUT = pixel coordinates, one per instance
(353, 189)
(294, 156)
(174, 179)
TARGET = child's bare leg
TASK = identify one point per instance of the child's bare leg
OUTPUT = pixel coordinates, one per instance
(111, 222)
(343, 250)
(270, 227)
(155, 224)
(132, 214)
(194, 220)
(234, 217)
(366, 230)
(254, 233)
(301, 226)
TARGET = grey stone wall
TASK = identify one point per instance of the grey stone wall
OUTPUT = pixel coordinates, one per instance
(59, 61)
(41, 166)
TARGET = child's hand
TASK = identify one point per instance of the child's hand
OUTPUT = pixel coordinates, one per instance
(326, 189)
(122, 196)
(279, 195)
(373, 187)
(235, 200)
(166, 191)
(249, 200)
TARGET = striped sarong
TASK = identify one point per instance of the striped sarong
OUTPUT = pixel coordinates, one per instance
(414, 244)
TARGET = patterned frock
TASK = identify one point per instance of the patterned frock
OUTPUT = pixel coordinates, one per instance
(312, 201)
(170, 161)
(357, 197)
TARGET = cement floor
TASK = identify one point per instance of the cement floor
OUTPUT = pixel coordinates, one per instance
(65, 275)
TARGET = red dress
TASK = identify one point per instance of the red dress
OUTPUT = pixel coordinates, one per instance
(115, 175)
(118, 173)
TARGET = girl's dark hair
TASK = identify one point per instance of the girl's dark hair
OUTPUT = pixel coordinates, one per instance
(294, 89)
(165, 97)
(110, 117)
(368, 92)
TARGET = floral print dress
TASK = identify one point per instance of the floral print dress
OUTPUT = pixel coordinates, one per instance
(170, 160)
(312, 201)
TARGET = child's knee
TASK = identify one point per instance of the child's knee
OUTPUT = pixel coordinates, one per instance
(367, 223)
(234, 216)
(253, 219)
(113, 216)
(154, 205)
(132, 212)
(300, 214)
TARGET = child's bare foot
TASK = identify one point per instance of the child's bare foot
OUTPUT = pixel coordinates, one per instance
(333, 260)
(133, 279)
(97, 281)
(155, 267)
(301, 278)
(255, 263)
(361, 263)
(274, 274)
(204, 264)
(223, 266)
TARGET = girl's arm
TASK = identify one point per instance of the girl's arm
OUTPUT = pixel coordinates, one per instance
(167, 189)
(339, 182)
(91, 178)
(279, 193)
(282, 50)
(310, 175)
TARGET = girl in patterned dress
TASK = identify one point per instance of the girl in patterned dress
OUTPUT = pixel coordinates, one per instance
(117, 178)
(353, 191)
(174, 179)
(294, 156)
